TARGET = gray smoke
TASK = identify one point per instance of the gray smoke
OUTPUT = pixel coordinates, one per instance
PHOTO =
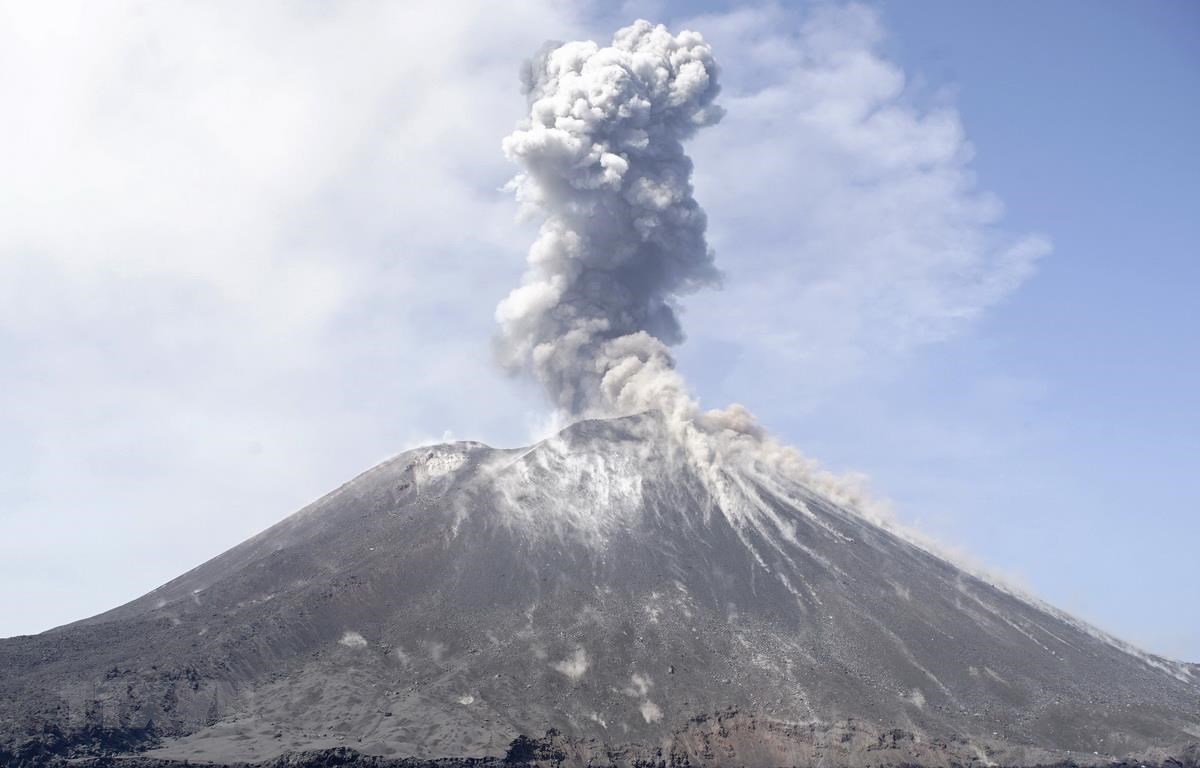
(602, 160)
(622, 238)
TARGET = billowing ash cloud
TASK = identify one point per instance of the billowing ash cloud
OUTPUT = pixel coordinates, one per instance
(602, 159)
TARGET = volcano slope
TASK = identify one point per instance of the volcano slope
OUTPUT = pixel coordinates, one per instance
(608, 587)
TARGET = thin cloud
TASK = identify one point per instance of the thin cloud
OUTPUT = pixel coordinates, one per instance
(846, 213)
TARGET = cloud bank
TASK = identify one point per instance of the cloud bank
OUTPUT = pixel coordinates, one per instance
(234, 268)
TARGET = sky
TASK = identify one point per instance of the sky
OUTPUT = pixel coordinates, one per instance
(249, 251)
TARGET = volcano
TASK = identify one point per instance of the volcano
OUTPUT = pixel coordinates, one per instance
(607, 597)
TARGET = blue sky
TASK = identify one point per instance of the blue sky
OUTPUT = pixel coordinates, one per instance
(251, 253)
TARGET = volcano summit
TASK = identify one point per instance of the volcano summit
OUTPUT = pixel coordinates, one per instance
(606, 586)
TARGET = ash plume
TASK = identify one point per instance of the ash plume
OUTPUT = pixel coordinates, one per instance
(622, 238)
(602, 160)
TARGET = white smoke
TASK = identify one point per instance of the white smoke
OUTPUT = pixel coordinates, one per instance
(602, 160)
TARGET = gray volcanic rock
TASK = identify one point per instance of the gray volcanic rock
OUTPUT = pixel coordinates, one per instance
(608, 587)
